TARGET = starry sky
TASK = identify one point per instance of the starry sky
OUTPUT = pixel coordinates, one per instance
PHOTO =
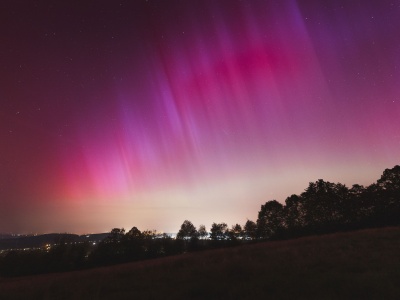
(147, 113)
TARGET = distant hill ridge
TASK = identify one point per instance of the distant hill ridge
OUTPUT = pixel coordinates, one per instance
(8, 241)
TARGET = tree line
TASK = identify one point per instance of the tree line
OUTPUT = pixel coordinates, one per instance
(323, 207)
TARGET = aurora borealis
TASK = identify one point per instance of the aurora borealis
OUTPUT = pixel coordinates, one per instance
(147, 113)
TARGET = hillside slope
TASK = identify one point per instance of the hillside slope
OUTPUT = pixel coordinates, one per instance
(354, 265)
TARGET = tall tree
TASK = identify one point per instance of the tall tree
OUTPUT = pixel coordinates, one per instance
(325, 205)
(134, 234)
(235, 233)
(202, 232)
(111, 249)
(388, 193)
(390, 179)
(270, 222)
(218, 231)
(187, 232)
(133, 243)
(115, 236)
(359, 206)
(294, 213)
(250, 230)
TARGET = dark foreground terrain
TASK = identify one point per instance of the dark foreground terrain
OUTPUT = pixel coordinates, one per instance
(355, 265)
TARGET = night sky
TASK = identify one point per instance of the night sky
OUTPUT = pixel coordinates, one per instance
(147, 113)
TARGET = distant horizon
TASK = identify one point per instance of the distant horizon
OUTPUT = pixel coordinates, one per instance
(80, 234)
(147, 113)
(156, 229)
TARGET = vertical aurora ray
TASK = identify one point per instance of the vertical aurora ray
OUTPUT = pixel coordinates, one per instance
(204, 108)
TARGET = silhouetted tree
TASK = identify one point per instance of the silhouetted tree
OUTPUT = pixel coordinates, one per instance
(294, 215)
(270, 222)
(390, 179)
(384, 197)
(111, 249)
(150, 245)
(250, 230)
(115, 236)
(238, 231)
(218, 232)
(235, 233)
(325, 205)
(189, 235)
(133, 234)
(202, 232)
(389, 184)
(187, 232)
(133, 243)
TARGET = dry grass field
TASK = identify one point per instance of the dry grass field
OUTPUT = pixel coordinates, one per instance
(355, 265)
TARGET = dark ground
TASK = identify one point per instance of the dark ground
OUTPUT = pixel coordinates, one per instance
(355, 265)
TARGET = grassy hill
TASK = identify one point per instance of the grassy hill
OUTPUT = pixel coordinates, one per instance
(354, 265)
